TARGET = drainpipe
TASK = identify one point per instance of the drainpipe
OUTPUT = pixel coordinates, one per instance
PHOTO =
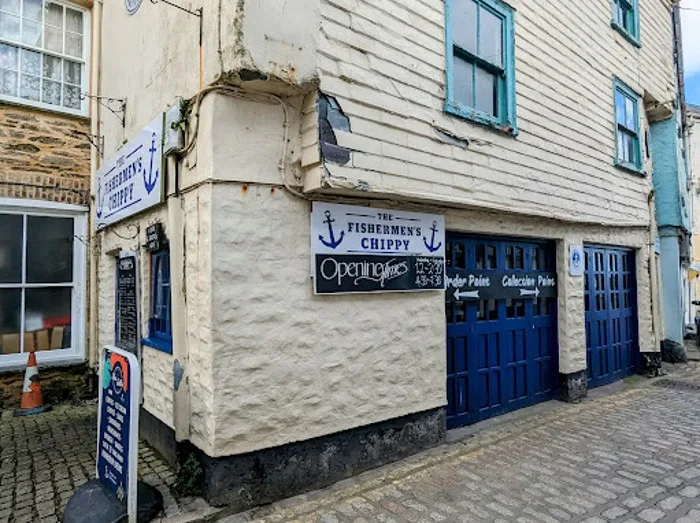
(657, 327)
(95, 160)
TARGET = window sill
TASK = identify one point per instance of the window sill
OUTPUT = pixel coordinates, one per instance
(630, 168)
(628, 36)
(46, 108)
(479, 118)
(158, 344)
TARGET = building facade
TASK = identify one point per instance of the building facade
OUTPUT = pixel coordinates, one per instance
(44, 189)
(517, 129)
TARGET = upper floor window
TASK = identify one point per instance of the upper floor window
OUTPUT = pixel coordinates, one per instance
(628, 134)
(481, 62)
(43, 54)
(626, 19)
(159, 324)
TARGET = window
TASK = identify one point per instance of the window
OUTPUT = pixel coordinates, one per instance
(480, 62)
(626, 19)
(41, 293)
(159, 326)
(43, 54)
(629, 154)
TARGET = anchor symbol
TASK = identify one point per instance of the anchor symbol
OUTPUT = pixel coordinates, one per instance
(432, 247)
(151, 180)
(333, 243)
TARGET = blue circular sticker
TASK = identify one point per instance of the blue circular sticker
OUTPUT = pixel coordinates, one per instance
(132, 6)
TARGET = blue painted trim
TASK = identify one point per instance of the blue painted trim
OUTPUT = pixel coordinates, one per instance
(634, 39)
(506, 96)
(619, 85)
(160, 344)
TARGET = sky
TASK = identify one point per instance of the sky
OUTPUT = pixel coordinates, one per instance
(691, 49)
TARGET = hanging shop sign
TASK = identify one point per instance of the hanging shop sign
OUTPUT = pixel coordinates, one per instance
(132, 180)
(155, 237)
(494, 285)
(128, 330)
(364, 249)
(118, 422)
(576, 260)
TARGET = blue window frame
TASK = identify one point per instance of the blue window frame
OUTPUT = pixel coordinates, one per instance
(627, 128)
(159, 324)
(626, 19)
(480, 62)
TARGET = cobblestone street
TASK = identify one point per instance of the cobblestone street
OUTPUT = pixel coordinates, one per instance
(44, 458)
(630, 456)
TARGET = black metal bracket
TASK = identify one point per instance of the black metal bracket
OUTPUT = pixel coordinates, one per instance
(97, 141)
(196, 12)
(116, 106)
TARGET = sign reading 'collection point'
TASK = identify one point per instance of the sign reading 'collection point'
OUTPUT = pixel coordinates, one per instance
(364, 249)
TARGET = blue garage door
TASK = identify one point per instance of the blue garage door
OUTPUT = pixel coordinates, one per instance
(501, 351)
(611, 314)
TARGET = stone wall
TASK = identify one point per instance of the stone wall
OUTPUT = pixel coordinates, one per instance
(42, 157)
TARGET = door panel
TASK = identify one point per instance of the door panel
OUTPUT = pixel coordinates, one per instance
(611, 314)
(501, 353)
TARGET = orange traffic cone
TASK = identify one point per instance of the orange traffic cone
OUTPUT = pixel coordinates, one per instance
(32, 400)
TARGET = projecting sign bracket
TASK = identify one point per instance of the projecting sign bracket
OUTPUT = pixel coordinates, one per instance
(96, 140)
(116, 106)
(196, 12)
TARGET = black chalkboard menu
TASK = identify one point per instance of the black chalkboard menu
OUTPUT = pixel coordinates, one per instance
(127, 332)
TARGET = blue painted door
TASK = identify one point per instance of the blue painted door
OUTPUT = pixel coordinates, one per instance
(612, 346)
(501, 353)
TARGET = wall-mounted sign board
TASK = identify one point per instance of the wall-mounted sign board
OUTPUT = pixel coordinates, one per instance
(128, 327)
(365, 249)
(131, 180)
(576, 260)
(483, 286)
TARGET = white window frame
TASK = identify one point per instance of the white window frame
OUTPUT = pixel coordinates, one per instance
(76, 353)
(85, 61)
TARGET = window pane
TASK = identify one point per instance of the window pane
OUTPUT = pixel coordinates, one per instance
(51, 92)
(485, 92)
(30, 87)
(9, 26)
(629, 113)
(8, 57)
(624, 147)
(464, 24)
(10, 303)
(31, 62)
(31, 33)
(491, 38)
(52, 68)
(463, 82)
(74, 21)
(71, 72)
(49, 249)
(8, 83)
(71, 96)
(10, 6)
(54, 15)
(47, 318)
(53, 40)
(11, 248)
(32, 10)
(632, 149)
(620, 107)
(74, 45)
